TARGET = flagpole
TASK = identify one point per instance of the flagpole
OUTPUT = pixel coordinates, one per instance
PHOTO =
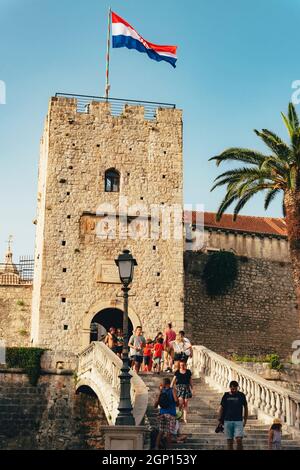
(107, 86)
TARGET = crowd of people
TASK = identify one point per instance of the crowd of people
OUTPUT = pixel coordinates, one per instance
(170, 352)
(152, 355)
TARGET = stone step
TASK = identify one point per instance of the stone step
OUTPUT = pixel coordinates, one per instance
(202, 420)
(224, 447)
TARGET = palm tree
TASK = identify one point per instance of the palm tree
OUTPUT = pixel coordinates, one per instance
(278, 172)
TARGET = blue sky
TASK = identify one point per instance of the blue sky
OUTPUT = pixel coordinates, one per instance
(236, 63)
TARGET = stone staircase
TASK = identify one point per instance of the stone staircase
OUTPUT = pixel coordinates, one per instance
(202, 420)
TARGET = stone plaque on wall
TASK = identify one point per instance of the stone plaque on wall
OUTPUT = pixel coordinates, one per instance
(107, 272)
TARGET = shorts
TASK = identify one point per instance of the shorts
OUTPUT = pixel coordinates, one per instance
(183, 391)
(137, 358)
(119, 349)
(180, 357)
(114, 349)
(233, 429)
(157, 360)
(166, 423)
(147, 360)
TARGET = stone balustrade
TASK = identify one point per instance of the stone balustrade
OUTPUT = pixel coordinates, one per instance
(269, 401)
(99, 368)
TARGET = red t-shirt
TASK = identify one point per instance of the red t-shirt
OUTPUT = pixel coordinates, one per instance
(158, 349)
(147, 350)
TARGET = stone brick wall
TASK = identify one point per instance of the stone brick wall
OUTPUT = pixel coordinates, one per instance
(77, 149)
(257, 316)
(270, 247)
(15, 306)
(50, 415)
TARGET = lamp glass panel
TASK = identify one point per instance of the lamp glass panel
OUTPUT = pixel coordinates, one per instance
(125, 269)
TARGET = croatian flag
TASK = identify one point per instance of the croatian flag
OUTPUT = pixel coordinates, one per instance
(125, 35)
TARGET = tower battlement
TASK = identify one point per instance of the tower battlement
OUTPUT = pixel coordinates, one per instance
(114, 107)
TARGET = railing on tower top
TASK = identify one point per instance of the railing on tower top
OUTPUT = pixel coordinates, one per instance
(116, 104)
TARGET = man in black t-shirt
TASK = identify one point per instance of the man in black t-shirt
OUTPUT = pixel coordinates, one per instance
(233, 413)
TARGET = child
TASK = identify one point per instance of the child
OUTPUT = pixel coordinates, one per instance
(157, 354)
(147, 353)
(275, 435)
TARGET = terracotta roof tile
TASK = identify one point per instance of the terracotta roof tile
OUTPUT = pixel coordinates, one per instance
(245, 223)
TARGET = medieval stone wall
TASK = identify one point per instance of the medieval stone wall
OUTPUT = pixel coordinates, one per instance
(274, 248)
(257, 316)
(15, 307)
(77, 149)
(50, 415)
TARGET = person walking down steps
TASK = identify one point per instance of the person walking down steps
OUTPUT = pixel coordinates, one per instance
(184, 387)
(233, 413)
(167, 401)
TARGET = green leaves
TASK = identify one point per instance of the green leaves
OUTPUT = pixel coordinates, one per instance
(279, 171)
(293, 118)
(220, 272)
(270, 196)
(26, 358)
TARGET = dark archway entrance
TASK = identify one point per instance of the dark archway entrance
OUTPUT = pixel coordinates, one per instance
(106, 318)
(88, 416)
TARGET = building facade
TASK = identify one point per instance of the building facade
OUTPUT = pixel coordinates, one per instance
(104, 181)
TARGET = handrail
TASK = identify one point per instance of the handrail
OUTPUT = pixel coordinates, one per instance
(100, 368)
(266, 399)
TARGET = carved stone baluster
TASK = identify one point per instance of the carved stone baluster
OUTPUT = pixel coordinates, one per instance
(226, 377)
(213, 370)
(278, 406)
(283, 410)
(252, 398)
(257, 396)
(249, 391)
(297, 416)
(288, 408)
(263, 398)
(217, 377)
(273, 407)
(268, 401)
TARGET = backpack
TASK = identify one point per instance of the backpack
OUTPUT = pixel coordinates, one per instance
(164, 399)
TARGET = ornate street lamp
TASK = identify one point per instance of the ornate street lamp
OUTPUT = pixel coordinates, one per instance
(125, 263)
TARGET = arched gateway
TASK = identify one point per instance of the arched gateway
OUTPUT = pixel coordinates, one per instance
(101, 316)
(105, 319)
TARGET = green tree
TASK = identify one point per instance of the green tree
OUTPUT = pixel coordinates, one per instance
(275, 173)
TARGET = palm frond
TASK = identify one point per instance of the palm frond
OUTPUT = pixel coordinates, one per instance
(239, 154)
(282, 148)
(244, 172)
(227, 201)
(243, 200)
(287, 124)
(269, 139)
(271, 194)
(293, 117)
(296, 146)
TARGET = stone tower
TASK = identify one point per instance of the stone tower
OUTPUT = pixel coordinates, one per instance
(94, 164)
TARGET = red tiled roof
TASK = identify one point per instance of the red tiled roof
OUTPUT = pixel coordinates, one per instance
(245, 223)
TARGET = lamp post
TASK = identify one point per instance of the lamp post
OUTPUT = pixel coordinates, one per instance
(125, 263)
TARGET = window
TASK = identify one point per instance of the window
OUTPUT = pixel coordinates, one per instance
(112, 181)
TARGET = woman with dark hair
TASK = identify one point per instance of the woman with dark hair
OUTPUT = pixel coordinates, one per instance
(184, 387)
